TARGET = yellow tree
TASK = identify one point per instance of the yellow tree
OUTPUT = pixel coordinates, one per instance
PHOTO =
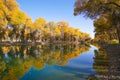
(29, 28)
(8, 9)
(39, 23)
(17, 21)
(50, 27)
(62, 25)
(39, 28)
(3, 20)
(57, 33)
(71, 33)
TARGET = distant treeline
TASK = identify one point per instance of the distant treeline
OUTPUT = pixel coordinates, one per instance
(17, 26)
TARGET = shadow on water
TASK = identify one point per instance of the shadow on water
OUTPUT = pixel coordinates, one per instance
(106, 63)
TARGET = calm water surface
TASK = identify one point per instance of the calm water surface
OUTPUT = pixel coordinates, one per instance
(76, 68)
(52, 62)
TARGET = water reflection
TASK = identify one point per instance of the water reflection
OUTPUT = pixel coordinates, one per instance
(106, 63)
(15, 61)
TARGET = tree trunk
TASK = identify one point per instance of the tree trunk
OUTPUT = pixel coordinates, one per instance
(118, 33)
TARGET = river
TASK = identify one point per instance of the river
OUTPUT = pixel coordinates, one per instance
(60, 62)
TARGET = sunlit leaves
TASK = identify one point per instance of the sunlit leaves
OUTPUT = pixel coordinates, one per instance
(17, 26)
(39, 23)
(17, 18)
(57, 31)
(3, 23)
(11, 4)
(28, 22)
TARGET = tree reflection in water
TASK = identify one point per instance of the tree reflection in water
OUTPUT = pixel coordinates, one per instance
(106, 63)
(16, 60)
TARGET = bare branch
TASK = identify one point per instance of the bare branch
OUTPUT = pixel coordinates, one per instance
(113, 4)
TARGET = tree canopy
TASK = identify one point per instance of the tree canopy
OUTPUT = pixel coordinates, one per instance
(17, 26)
(97, 9)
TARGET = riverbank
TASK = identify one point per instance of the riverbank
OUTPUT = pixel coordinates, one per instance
(41, 43)
(111, 46)
(19, 43)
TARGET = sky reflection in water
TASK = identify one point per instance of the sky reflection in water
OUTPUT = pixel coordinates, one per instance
(60, 62)
(78, 68)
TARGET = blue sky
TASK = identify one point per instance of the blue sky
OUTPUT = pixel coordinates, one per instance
(56, 10)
